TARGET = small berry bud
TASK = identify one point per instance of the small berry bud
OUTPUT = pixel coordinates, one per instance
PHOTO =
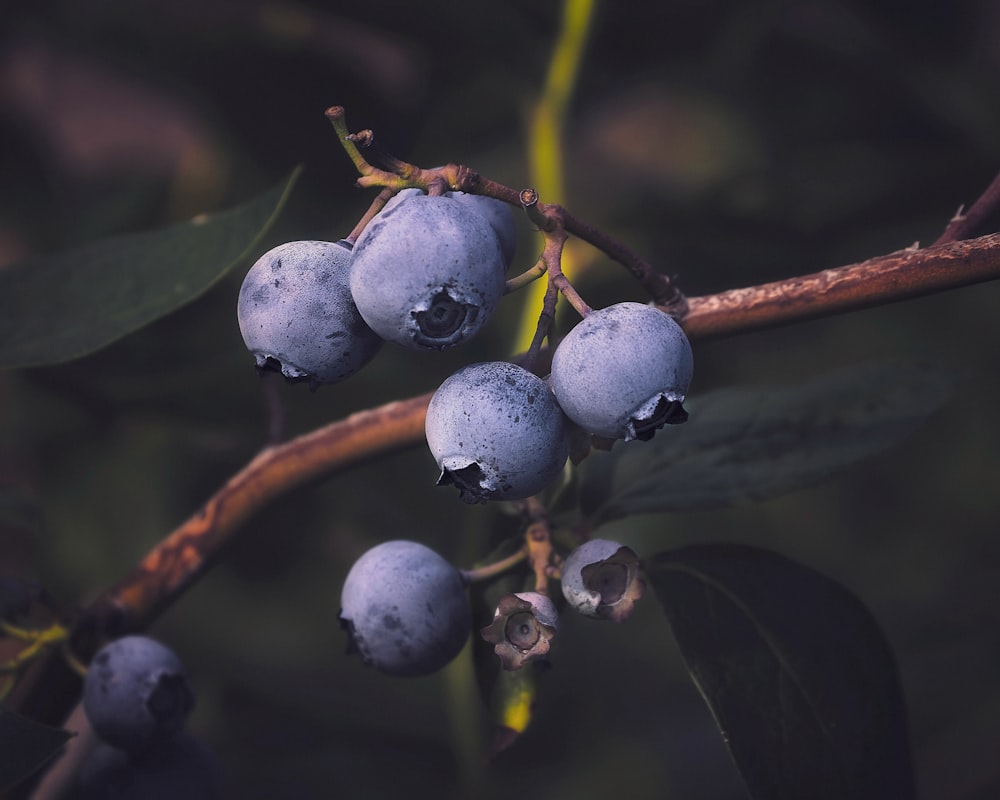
(522, 628)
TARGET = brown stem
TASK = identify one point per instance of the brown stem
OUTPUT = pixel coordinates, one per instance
(896, 276)
(963, 225)
(545, 318)
(571, 294)
(536, 212)
(538, 542)
(179, 560)
(377, 205)
(659, 287)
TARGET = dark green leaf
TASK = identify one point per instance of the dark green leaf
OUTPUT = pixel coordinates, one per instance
(24, 747)
(754, 443)
(798, 675)
(70, 304)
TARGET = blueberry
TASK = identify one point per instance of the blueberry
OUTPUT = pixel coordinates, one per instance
(600, 579)
(401, 196)
(404, 609)
(523, 626)
(496, 432)
(178, 767)
(136, 692)
(427, 272)
(623, 372)
(497, 213)
(296, 313)
(500, 216)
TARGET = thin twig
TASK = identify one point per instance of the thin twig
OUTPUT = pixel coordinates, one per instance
(488, 571)
(538, 541)
(528, 276)
(545, 319)
(377, 205)
(966, 223)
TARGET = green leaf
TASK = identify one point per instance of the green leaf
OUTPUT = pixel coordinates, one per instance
(800, 679)
(24, 747)
(754, 443)
(70, 304)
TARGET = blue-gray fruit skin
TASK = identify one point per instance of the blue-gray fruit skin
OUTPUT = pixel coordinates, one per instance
(497, 213)
(600, 579)
(500, 216)
(496, 432)
(427, 272)
(404, 608)
(136, 693)
(623, 372)
(296, 312)
(179, 767)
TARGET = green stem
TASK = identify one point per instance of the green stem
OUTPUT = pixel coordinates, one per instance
(496, 568)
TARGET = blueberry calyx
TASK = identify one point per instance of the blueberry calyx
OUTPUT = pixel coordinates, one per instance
(443, 323)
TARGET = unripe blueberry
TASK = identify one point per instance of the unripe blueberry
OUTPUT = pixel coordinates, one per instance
(296, 311)
(523, 626)
(178, 767)
(136, 692)
(404, 609)
(600, 579)
(623, 372)
(496, 432)
(427, 273)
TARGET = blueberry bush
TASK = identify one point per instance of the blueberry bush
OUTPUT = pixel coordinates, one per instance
(642, 444)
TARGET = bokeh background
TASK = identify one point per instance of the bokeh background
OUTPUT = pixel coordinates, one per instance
(730, 142)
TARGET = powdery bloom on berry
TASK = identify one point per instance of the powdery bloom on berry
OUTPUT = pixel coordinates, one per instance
(601, 579)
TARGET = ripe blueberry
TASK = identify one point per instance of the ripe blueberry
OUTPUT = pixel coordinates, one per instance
(500, 216)
(427, 272)
(136, 692)
(497, 213)
(496, 432)
(600, 579)
(623, 372)
(296, 313)
(404, 609)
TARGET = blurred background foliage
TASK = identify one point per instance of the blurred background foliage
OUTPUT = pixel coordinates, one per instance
(730, 142)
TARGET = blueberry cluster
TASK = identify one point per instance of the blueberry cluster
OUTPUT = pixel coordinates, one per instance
(499, 432)
(405, 610)
(137, 698)
(426, 273)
